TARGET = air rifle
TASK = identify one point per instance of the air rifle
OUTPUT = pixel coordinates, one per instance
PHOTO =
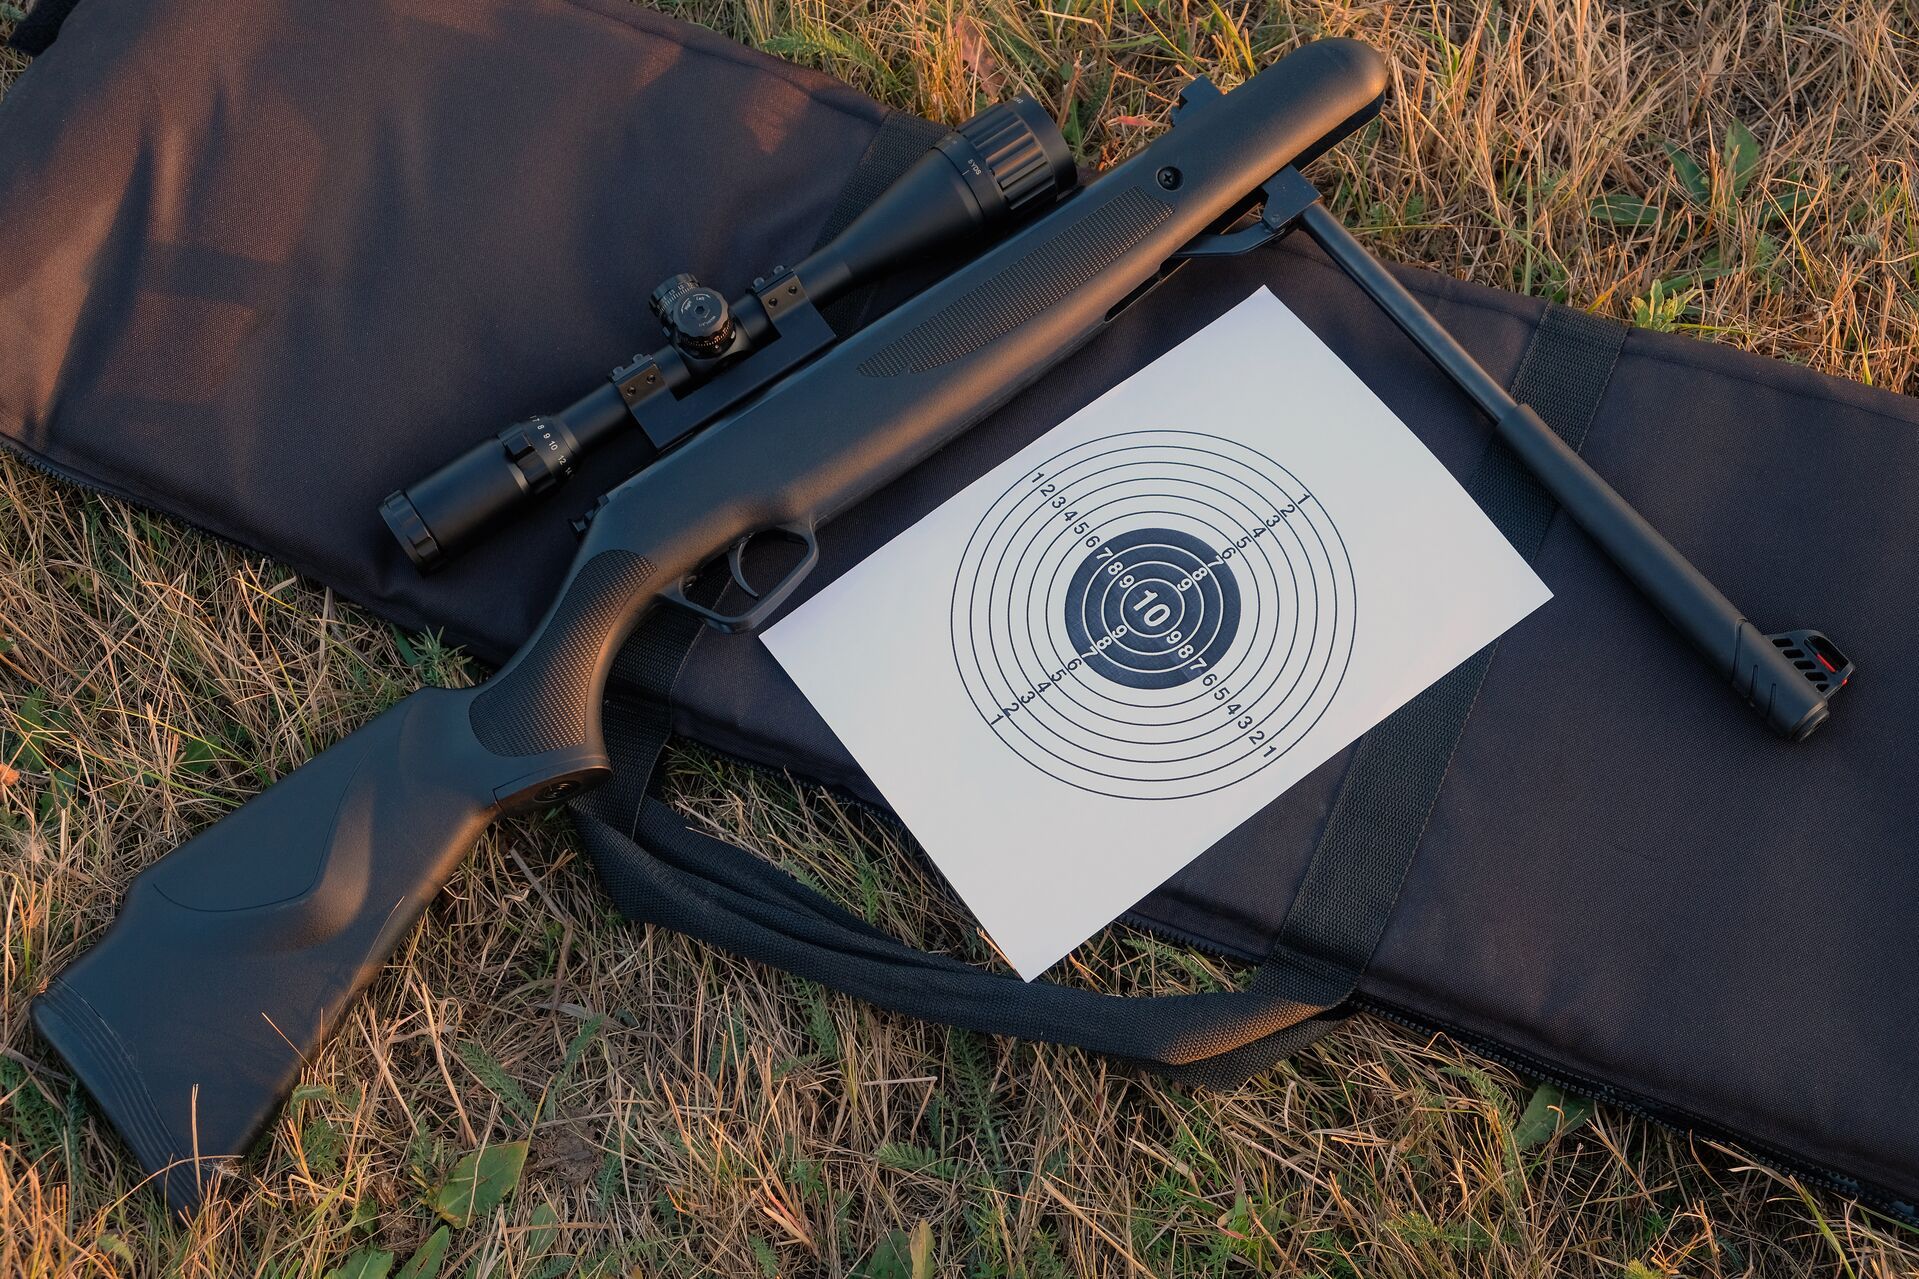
(235, 955)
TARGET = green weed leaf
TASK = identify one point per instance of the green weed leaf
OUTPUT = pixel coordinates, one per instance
(196, 756)
(1742, 157)
(910, 1158)
(478, 1183)
(1662, 306)
(365, 1264)
(1693, 179)
(427, 1258)
(575, 1049)
(33, 729)
(1070, 127)
(498, 1082)
(408, 653)
(1713, 268)
(111, 1244)
(901, 1256)
(28, 1121)
(365, 1215)
(1550, 1112)
(541, 1231)
(1624, 210)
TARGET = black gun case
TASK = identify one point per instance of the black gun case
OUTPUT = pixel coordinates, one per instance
(263, 263)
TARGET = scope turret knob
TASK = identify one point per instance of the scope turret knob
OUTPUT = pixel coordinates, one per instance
(697, 319)
(669, 288)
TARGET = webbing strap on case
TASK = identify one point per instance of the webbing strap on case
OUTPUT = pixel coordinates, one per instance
(1368, 843)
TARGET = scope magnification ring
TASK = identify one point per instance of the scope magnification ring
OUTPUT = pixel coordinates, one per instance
(1154, 614)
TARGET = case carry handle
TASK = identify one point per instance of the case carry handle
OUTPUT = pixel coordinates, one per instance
(670, 875)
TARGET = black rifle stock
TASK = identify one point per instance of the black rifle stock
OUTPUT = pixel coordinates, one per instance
(234, 956)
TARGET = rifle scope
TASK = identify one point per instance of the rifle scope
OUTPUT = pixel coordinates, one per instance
(971, 188)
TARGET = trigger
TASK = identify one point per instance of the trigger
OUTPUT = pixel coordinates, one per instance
(736, 564)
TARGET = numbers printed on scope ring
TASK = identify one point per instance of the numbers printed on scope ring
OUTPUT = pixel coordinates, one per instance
(1154, 614)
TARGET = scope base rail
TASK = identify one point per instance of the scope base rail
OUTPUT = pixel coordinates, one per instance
(799, 332)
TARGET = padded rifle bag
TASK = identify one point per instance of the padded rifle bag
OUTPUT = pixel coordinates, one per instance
(263, 262)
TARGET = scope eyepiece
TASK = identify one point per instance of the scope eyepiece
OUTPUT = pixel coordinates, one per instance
(410, 531)
(442, 513)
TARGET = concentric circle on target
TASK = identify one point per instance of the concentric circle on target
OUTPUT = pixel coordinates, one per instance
(1154, 614)
(1163, 610)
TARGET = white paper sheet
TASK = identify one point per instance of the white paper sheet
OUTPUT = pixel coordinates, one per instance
(1101, 657)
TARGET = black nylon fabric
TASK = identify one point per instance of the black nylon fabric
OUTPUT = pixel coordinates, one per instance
(1565, 371)
(263, 262)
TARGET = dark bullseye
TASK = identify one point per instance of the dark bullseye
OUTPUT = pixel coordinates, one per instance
(1151, 608)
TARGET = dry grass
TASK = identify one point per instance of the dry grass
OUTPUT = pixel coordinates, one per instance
(718, 1118)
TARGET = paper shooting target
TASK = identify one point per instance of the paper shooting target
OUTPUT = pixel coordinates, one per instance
(1154, 614)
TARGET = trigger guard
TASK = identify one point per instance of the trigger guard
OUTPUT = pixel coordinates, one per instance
(764, 603)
